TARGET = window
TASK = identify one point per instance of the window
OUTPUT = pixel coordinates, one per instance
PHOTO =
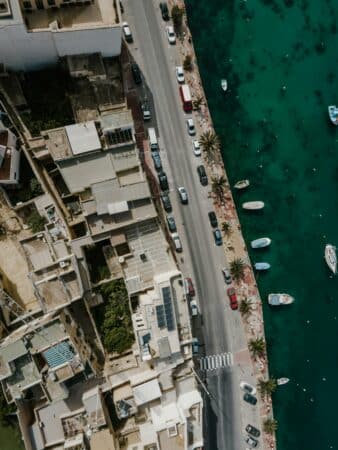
(3, 6)
(119, 136)
(51, 2)
(27, 4)
(39, 4)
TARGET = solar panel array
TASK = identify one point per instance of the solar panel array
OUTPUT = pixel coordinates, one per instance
(160, 316)
(168, 308)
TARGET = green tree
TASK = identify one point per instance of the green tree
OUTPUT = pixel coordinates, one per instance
(177, 17)
(257, 347)
(267, 387)
(226, 228)
(237, 269)
(245, 307)
(5, 409)
(217, 186)
(210, 143)
(270, 426)
(36, 222)
(35, 187)
(187, 63)
(197, 103)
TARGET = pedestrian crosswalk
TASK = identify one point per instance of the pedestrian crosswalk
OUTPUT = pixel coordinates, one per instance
(214, 362)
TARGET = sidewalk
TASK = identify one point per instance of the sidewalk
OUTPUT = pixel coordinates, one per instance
(234, 244)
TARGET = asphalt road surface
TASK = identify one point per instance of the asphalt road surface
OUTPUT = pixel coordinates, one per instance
(225, 414)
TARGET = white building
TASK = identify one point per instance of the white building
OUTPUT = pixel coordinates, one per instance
(35, 33)
(9, 157)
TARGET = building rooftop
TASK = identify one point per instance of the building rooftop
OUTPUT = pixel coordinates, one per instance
(83, 137)
(146, 392)
(9, 157)
(75, 16)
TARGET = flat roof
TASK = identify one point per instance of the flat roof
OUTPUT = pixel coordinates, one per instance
(146, 392)
(83, 137)
(119, 119)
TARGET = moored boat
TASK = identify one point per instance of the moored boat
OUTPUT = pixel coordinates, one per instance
(331, 257)
(253, 205)
(262, 266)
(283, 380)
(224, 84)
(261, 242)
(280, 299)
(333, 113)
(242, 184)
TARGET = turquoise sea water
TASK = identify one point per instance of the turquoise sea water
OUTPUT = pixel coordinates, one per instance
(283, 142)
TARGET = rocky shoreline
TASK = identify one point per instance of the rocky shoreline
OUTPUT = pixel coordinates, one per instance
(234, 245)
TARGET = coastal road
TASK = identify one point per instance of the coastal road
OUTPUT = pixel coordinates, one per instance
(226, 415)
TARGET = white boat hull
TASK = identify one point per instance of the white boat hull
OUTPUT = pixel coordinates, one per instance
(333, 114)
(283, 380)
(331, 257)
(224, 85)
(262, 266)
(280, 299)
(242, 184)
(252, 206)
(261, 242)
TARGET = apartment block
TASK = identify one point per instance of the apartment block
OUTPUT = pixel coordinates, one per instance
(9, 157)
(36, 33)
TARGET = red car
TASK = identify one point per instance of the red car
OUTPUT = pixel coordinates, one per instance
(189, 287)
(232, 297)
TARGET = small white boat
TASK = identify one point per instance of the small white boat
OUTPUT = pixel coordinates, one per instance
(331, 257)
(262, 266)
(261, 242)
(224, 84)
(242, 184)
(283, 380)
(280, 299)
(333, 113)
(252, 206)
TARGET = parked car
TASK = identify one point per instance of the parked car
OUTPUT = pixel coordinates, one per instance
(183, 195)
(177, 242)
(212, 219)
(252, 430)
(164, 11)
(218, 236)
(194, 308)
(135, 70)
(246, 387)
(180, 74)
(226, 275)
(250, 399)
(163, 180)
(171, 224)
(232, 298)
(145, 110)
(252, 442)
(195, 346)
(191, 127)
(189, 287)
(171, 35)
(196, 148)
(202, 175)
(166, 202)
(127, 33)
(157, 160)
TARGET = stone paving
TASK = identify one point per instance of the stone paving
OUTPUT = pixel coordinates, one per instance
(234, 244)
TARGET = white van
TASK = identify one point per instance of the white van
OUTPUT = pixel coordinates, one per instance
(152, 139)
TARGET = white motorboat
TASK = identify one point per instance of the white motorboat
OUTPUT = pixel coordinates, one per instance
(331, 257)
(252, 206)
(283, 380)
(261, 242)
(242, 184)
(333, 113)
(262, 266)
(280, 299)
(224, 84)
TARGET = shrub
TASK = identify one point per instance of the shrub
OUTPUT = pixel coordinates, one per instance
(187, 63)
(36, 222)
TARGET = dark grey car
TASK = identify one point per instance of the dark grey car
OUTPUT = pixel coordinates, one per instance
(213, 219)
(202, 175)
(163, 180)
(171, 224)
(252, 430)
(157, 160)
(250, 399)
(166, 202)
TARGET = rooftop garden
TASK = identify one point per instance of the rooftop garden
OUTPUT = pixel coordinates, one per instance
(113, 318)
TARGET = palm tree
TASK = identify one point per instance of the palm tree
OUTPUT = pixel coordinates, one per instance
(209, 142)
(267, 387)
(237, 269)
(226, 228)
(245, 307)
(197, 103)
(218, 185)
(270, 426)
(257, 347)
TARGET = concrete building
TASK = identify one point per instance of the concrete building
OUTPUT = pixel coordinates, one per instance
(9, 157)
(36, 33)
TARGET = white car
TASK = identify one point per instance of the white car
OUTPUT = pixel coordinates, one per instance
(193, 308)
(127, 33)
(180, 74)
(246, 387)
(183, 195)
(177, 242)
(191, 127)
(171, 35)
(196, 148)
